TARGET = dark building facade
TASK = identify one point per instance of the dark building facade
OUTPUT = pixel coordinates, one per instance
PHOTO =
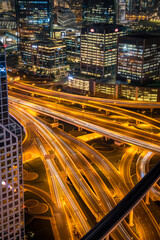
(138, 58)
(99, 49)
(34, 19)
(95, 11)
(76, 7)
(146, 6)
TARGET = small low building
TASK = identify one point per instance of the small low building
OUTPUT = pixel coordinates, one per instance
(82, 83)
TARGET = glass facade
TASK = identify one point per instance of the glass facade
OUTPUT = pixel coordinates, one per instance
(95, 11)
(138, 58)
(3, 88)
(34, 19)
(99, 49)
(11, 166)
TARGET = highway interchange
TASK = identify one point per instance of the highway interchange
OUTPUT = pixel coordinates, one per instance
(76, 158)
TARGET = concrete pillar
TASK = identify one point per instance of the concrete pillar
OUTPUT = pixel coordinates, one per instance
(147, 198)
(131, 224)
(59, 100)
(151, 112)
(107, 112)
(137, 122)
(79, 129)
(32, 94)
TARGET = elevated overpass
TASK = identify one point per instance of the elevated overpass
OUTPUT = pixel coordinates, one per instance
(122, 209)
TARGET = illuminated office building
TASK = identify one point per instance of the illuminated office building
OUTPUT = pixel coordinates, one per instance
(95, 11)
(99, 49)
(34, 19)
(138, 58)
(72, 42)
(11, 181)
(45, 57)
(81, 83)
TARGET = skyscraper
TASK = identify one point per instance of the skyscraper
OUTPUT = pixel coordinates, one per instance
(95, 11)
(11, 181)
(99, 49)
(34, 19)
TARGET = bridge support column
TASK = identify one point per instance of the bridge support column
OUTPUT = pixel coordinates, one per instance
(137, 122)
(147, 198)
(151, 112)
(83, 106)
(59, 100)
(131, 224)
(32, 94)
(107, 113)
(79, 129)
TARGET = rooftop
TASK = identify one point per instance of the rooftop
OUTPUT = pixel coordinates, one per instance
(47, 42)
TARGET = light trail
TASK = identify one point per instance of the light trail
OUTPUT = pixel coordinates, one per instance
(122, 228)
(97, 103)
(120, 188)
(90, 126)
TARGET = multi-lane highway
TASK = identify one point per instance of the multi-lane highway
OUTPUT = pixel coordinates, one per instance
(71, 97)
(72, 153)
(106, 201)
(107, 105)
(112, 130)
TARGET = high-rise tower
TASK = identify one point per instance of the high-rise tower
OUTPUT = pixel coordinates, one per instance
(11, 181)
(95, 11)
(34, 19)
(99, 49)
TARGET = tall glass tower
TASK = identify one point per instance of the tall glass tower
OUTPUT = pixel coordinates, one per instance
(11, 179)
(34, 19)
(95, 11)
